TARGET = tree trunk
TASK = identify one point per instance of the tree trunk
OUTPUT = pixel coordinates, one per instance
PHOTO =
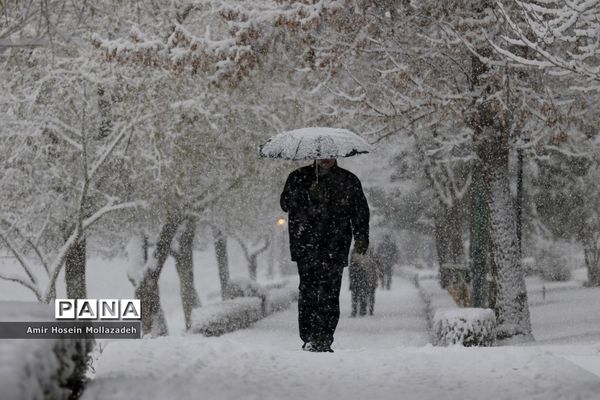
(592, 262)
(512, 309)
(519, 202)
(145, 246)
(153, 321)
(184, 263)
(252, 267)
(491, 122)
(220, 242)
(479, 244)
(104, 108)
(75, 263)
(252, 255)
(449, 243)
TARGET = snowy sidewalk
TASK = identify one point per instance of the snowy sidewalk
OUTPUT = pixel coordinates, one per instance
(381, 357)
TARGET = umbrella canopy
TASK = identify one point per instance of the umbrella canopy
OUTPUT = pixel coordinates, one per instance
(314, 143)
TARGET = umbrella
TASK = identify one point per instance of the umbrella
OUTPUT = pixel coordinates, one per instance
(314, 143)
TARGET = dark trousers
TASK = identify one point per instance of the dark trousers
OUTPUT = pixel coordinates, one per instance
(386, 278)
(319, 301)
(361, 299)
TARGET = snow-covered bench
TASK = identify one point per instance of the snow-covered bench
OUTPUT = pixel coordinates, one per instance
(39, 368)
(229, 315)
(451, 324)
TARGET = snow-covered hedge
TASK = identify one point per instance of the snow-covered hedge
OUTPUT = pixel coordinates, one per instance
(415, 274)
(40, 368)
(244, 287)
(451, 324)
(229, 315)
(434, 296)
(466, 326)
(280, 299)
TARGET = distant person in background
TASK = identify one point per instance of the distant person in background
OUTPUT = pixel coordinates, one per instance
(387, 254)
(327, 209)
(363, 282)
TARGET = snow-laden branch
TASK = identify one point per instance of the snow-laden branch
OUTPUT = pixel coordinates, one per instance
(205, 200)
(461, 192)
(75, 236)
(253, 251)
(108, 208)
(23, 282)
(59, 126)
(19, 23)
(568, 153)
(568, 26)
(56, 266)
(13, 227)
(108, 151)
(227, 55)
(20, 258)
(441, 192)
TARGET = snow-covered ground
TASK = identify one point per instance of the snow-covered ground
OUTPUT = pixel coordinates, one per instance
(567, 313)
(381, 357)
(386, 356)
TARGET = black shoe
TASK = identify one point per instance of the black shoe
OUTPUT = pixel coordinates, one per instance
(322, 348)
(317, 347)
(325, 349)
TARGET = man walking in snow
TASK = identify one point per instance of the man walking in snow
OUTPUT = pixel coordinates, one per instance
(362, 272)
(326, 209)
(387, 254)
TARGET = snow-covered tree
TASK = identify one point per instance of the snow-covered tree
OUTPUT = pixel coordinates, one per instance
(57, 144)
(386, 67)
(560, 36)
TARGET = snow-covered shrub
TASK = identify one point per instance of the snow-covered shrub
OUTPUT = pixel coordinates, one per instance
(466, 326)
(414, 274)
(552, 264)
(229, 315)
(450, 324)
(277, 285)
(244, 287)
(73, 356)
(281, 299)
(226, 316)
(40, 368)
(557, 271)
(434, 296)
(529, 266)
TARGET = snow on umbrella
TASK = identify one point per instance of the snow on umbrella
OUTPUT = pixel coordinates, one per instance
(314, 143)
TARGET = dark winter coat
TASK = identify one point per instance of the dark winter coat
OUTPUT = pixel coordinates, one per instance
(362, 273)
(387, 254)
(322, 229)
